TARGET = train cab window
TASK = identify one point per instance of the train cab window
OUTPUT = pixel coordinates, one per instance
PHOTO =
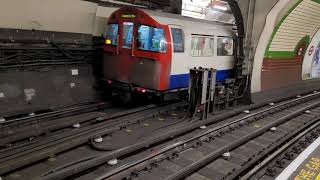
(127, 34)
(112, 34)
(178, 40)
(151, 39)
(225, 46)
(202, 46)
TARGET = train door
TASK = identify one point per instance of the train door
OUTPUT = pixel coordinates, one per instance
(126, 36)
(179, 68)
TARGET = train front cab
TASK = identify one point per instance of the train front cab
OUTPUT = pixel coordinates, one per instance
(137, 52)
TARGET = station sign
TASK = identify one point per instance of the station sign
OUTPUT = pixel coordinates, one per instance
(311, 50)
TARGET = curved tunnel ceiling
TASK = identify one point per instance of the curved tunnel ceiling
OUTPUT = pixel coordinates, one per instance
(280, 53)
(302, 21)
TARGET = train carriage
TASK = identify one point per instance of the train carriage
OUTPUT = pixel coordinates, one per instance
(152, 52)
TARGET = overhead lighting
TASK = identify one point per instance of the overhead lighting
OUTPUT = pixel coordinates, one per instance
(223, 8)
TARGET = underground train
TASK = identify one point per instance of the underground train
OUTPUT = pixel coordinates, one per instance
(149, 52)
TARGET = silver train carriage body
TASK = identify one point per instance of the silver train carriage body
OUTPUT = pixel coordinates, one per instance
(152, 52)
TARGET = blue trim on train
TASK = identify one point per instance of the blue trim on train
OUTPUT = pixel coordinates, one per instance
(182, 80)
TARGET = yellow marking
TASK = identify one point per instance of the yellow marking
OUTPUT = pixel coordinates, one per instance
(161, 119)
(310, 170)
(305, 174)
(128, 130)
(146, 124)
(52, 159)
(173, 114)
(256, 126)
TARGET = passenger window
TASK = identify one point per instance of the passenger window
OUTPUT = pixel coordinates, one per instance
(202, 46)
(127, 34)
(112, 34)
(225, 46)
(151, 39)
(178, 40)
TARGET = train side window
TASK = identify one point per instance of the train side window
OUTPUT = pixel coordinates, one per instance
(225, 46)
(151, 39)
(112, 34)
(202, 46)
(127, 34)
(178, 40)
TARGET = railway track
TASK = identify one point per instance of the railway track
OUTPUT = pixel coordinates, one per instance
(235, 154)
(171, 150)
(22, 130)
(31, 127)
(140, 160)
(53, 113)
(27, 153)
(277, 161)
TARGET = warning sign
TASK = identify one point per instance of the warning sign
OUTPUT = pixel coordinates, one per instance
(310, 170)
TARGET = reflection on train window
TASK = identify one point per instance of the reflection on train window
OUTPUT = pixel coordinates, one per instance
(112, 34)
(225, 46)
(127, 34)
(202, 46)
(151, 39)
(178, 40)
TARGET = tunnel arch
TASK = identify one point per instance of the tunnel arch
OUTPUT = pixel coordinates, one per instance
(283, 44)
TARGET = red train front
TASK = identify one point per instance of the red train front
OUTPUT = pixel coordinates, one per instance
(137, 53)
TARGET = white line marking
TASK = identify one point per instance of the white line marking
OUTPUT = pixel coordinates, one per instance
(286, 173)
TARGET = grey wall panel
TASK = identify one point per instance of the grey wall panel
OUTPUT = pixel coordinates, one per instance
(39, 88)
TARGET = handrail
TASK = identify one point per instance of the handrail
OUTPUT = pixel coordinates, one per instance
(132, 46)
(118, 44)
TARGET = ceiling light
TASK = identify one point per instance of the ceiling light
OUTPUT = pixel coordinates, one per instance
(223, 8)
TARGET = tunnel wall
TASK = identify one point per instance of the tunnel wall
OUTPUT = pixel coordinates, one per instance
(74, 16)
(254, 13)
(290, 27)
(101, 19)
(34, 24)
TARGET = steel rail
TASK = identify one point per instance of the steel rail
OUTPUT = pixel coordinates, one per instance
(166, 149)
(50, 114)
(69, 140)
(266, 161)
(52, 125)
(187, 171)
(56, 126)
(45, 127)
(84, 130)
(66, 172)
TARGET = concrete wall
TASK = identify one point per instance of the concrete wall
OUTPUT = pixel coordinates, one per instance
(48, 15)
(101, 19)
(254, 15)
(291, 24)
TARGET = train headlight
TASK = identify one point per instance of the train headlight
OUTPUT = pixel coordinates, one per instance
(108, 41)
